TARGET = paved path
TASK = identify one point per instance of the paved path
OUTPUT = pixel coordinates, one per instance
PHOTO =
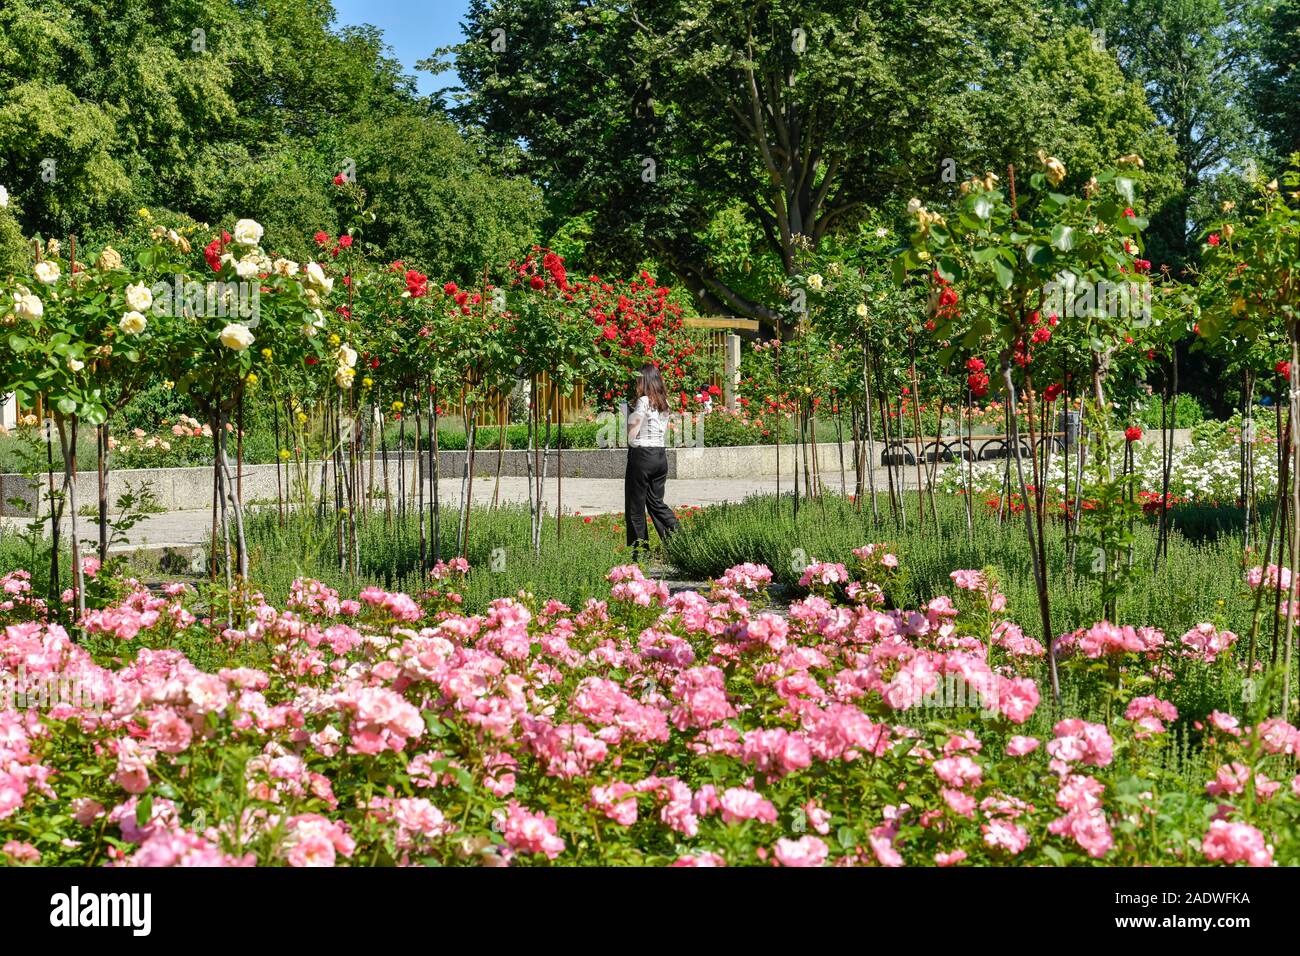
(184, 530)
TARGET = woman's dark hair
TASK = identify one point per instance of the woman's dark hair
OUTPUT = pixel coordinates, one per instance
(650, 384)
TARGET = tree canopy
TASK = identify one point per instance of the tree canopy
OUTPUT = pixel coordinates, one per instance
(801, 116)
(228, 108)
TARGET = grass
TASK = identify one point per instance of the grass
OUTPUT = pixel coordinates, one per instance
(570, 569)
(1200, 581)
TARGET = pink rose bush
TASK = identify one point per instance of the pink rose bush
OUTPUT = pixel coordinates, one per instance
(643, 728)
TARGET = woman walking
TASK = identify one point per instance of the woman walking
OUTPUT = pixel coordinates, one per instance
(647, 463)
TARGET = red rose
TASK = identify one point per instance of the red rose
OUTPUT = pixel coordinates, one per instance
(449, 288)
(345, 242)
(1053, 391)
(321, 237)
(339, 180)
(1283, 368)
(1214, 239)
(1132, 433)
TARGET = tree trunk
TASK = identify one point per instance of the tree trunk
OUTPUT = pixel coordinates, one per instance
(1040, 571)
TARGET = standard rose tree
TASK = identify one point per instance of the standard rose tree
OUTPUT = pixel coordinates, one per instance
(1010, 253)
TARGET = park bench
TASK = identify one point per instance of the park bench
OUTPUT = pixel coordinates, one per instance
(903, 451)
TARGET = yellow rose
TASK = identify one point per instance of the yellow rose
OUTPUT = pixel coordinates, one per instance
(109, 258)
(1055, 168)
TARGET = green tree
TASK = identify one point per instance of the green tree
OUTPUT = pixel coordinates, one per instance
(677, 122)
(226, 109)
(1194, 59)
(1276, 84)
(437, 199)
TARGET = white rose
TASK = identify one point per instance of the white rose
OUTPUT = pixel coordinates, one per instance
(815, 282)
(862, 310)
(28, 306)
(247, 267)
(75, 365)
(236, 336)
(316, 276)
(4, 198)
(138, 297)
(286, 267)
(132, 323)
(343, 377)
(248, 232)
(914, 206)
(314, 326)
(47, 272)
(347, 356)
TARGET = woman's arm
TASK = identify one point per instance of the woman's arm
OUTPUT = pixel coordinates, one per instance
(634, 422)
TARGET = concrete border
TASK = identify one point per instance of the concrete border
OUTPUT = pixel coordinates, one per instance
(178, 489)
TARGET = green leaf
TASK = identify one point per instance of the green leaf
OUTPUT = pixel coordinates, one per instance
(1038, 255)
(1002, 272)
(436, 728)
(1124, 186)
(144, 810)
(898, 269)
(1062, 237)
(949, 269)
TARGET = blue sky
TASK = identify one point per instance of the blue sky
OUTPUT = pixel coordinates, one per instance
(413, 28)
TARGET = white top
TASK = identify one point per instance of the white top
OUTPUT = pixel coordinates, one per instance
(653, 425)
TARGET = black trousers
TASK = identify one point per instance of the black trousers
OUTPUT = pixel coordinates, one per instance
(647, 470)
